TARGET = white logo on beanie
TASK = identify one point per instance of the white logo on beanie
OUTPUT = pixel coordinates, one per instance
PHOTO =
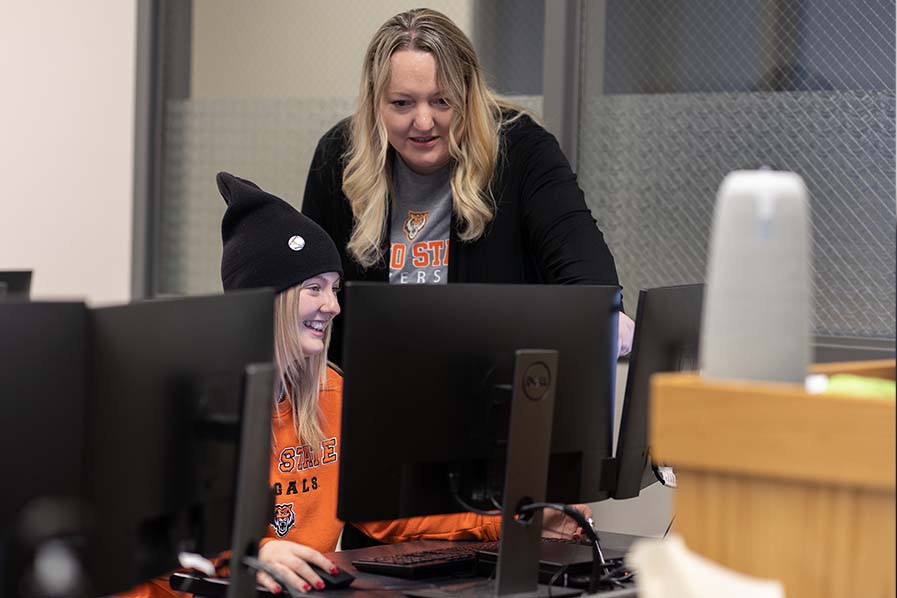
(296, 243)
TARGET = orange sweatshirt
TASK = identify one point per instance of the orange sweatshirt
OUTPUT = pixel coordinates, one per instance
(459, 526)
(305, 478)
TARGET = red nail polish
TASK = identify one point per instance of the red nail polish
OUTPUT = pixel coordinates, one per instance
(320, 585)
(334, 570)
(306, 587)
(278, 589)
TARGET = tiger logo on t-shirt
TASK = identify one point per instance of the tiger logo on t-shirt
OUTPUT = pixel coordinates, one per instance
(284, 518)
(414, 223)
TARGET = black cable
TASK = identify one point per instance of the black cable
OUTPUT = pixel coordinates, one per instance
(584, 523)
(597, 557)
(473, 509)
(669, 526)
(598, 562)
(454, 481)
(554, 577)
(616, 576)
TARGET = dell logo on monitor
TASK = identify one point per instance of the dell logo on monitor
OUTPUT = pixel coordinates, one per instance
(536, 381)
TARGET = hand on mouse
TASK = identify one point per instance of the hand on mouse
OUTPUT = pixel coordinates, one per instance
(292, 561)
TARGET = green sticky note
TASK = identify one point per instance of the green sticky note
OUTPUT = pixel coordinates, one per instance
(860, 386)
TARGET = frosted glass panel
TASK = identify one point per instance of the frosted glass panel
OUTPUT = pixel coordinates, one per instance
(691, 90)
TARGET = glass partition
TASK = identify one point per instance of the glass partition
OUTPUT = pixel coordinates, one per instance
(678, 93)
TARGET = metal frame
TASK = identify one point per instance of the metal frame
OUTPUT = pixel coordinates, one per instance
(147, 142)
(592, 54)
(561, 73)
(827, 349)
(162, 72)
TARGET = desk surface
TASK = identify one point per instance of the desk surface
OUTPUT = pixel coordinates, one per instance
(368, 585)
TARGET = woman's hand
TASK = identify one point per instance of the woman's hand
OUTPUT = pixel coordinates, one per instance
(625, 330)
(556, 524)
(292, 561)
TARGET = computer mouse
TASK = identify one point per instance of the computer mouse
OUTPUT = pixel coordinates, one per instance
(333, 581)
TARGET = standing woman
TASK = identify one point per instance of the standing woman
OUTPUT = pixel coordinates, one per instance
(437, 179)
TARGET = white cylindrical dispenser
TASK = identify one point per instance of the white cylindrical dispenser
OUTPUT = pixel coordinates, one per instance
(758, 306)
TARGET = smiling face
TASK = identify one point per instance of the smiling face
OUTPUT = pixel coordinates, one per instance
(414, 110)
(317, 306)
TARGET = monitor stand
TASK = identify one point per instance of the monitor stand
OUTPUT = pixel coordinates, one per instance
(526, 476)
(255, 503)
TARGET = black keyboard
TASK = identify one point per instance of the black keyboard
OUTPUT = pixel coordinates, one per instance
(437, 562)
(425, 563)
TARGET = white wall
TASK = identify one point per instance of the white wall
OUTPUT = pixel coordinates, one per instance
(66, 145)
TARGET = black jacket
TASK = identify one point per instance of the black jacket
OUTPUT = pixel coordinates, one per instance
(542, 232)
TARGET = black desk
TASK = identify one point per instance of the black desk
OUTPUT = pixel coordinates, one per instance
(368, 585)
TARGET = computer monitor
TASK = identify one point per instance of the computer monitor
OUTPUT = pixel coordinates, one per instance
(43, 405)
(130, 434)
(15, 284)
(165, 428)
(667, 332)
(430, 378)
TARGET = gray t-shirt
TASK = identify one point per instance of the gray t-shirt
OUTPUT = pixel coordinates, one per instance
(420, 226)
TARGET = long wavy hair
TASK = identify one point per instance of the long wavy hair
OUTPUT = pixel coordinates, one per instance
(473, 141)
(300, 377)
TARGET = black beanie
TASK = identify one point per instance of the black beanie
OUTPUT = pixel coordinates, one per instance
(268, 242)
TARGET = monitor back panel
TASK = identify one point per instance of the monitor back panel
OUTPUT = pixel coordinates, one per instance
(424, 367)
(667, 333)
(168, 378)
(43, 393)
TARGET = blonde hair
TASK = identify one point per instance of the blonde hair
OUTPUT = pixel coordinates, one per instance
(473, 140)
(300, 377)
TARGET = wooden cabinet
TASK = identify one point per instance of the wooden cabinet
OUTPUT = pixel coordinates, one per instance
(777, 483)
